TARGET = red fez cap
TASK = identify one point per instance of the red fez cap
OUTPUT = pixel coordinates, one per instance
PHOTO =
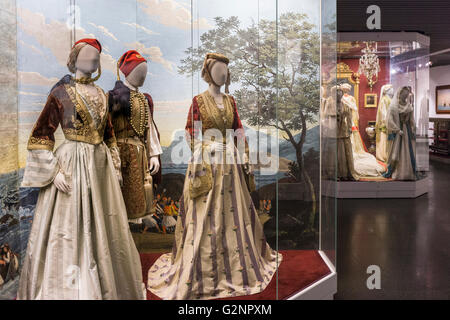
(92, 42)
(128, 61)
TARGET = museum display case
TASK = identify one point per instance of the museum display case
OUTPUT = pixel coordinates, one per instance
(106, 105)
(384, 81)
(440, 140)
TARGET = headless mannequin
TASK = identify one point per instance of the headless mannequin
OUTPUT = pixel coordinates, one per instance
(404, 95)
(339, 95)
(88, 61)
(219, 73)
(352, 104)
(345, 92)
(390, 93)
(134, 80)
(382, 145)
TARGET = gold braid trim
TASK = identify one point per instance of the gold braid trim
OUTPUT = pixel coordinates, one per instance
(207, 122)
(84, 131)
(217, 56)
(40, 144)
(111, 142)
(214, 117)
(138, 112)
(87, 80)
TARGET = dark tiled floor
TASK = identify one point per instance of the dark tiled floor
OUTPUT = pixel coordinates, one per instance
(409, 239)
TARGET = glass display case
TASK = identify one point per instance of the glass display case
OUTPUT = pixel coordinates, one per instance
(79, 145)
(384, 82)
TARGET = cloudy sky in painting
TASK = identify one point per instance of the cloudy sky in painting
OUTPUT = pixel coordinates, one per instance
(159, 29)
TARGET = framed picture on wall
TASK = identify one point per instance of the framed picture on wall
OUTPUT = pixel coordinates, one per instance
(443, 99)
(370, 100)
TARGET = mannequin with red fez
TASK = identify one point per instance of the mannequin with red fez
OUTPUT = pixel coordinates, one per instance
(137, 136)
(80, 245)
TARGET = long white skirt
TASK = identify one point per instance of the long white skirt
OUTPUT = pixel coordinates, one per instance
(366, 165)
(80, 245)
(220, 249)
(382, 146)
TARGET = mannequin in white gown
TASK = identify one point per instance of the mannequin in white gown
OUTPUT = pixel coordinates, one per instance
(386, 95)
(366, 165)
(401, 131)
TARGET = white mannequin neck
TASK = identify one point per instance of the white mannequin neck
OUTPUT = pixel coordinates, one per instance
(131, 87)
(219, 73)
(88, 60)
(87, 63)
(80, 74)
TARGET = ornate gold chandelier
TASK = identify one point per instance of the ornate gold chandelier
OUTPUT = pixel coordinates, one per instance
(369, 65)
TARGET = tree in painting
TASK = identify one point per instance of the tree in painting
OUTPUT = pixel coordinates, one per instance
(276, 68)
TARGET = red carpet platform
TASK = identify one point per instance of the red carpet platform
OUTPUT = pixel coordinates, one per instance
(299, 269)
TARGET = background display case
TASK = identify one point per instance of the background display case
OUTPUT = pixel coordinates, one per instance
(369, 63)
(281, 54)
(440, 142)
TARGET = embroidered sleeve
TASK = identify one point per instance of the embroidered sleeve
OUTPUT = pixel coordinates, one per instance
(108, 136)
(153, 143)
(157, 177)
(41, 169)
(110, 139)
(42, 136)
(42, 165)
(193, 116)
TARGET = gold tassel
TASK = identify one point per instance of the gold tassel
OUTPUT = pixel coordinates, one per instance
(118, 74)
(227, 84)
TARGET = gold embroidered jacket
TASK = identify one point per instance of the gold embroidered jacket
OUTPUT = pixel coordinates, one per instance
(64, 107)
(204, 110)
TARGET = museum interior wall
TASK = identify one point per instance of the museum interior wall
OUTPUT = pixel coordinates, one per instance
(439, 122)
(439, 76)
